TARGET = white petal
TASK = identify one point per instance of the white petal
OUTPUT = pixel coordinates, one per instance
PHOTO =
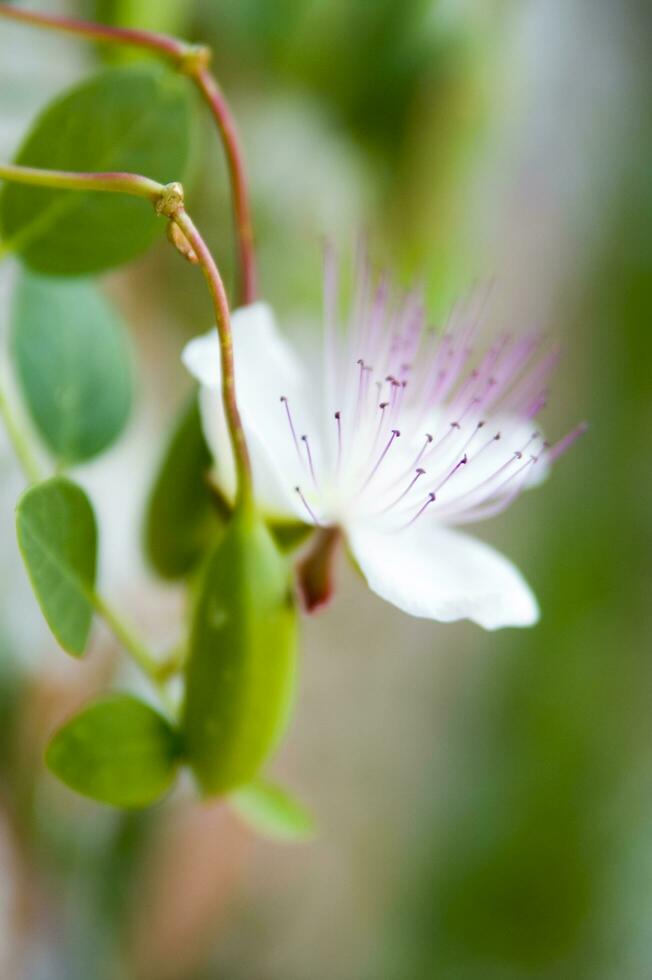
(266, 368)
(433, 572)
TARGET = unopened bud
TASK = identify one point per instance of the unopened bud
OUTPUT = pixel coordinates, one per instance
(181, 243)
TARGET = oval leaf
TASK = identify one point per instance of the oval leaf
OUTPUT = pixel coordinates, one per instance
(182, 515)
(118, 751)
(272, 812)
(73, 364)
(57, 536)
(242, 659)
(136, 119)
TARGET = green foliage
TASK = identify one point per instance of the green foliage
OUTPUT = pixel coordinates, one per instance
(242, 658)
(73, 364)
(118, 751)
(182, 517)
(57, 536)
(136, 119)
(272, 812)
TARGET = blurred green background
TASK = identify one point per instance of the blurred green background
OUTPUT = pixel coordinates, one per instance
(485, 800)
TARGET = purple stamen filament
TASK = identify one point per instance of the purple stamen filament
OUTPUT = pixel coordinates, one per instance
(395, 434)
(338, 420)
(419, 472)
(291, 424)
(307, 506)
(304, 440)
(431, 498)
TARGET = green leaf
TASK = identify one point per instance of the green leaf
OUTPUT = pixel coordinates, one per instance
(182, 517)
(74, 365)
(272, 812)
(241, 667)
(57, 537)
(136, 119)
(118, 751)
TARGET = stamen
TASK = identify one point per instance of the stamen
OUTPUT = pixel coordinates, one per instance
(462, 462)
(560, 447)
(338, 420)
(420, 472)
(307, 506)
(363, 387)
(304, 440)
(496, 504)
(431, 497)
(535, 406)
(486, 487)
(395, 434)
(382, 407)
(468, 442)
(425, 446)
(292, 430)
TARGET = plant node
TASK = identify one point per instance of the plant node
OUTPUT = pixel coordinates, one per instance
(170, 200)
(194, 58)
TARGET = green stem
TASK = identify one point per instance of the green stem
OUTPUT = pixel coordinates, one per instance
(192, 60)
(244, 496)
(153, 669)
(139, 653)
(168, 201)
(118, 183)
(148, 40)
(211, 92)
(173, 663)
(19, 442)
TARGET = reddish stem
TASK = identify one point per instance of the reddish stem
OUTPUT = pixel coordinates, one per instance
(218, 294)
(212, 93)
(192, 60)
(159, 43)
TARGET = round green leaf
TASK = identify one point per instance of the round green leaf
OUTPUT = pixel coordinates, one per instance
(241, 667)
(57, 537)
(73, 363)
(118, 751)
(272, 812)
(182, 515)
(137, 119)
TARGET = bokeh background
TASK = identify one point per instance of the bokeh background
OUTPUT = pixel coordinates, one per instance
(484, 800)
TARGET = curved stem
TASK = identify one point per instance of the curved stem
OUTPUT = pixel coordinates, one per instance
(218, 294)
(118, 183)
(207, 85)
(148, 40)
(146, 661)
(19, 443)
(141, 656)
(168, 201)
(193, 61)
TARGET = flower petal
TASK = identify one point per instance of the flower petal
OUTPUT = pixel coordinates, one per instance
(433, 572)
(266, 367)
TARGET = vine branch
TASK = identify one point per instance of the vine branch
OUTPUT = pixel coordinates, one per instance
(168, 201)
(192, 60)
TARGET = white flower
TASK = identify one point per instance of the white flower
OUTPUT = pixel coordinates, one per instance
(388, 435)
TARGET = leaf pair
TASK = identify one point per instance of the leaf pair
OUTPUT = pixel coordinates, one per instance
(121, 752)
(118, 750)
(240, 674)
